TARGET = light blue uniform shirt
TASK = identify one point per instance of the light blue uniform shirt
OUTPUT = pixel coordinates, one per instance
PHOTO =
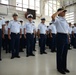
(43, 28)
(29, 27)
(61, 25)
(14, 26)
(2, 22)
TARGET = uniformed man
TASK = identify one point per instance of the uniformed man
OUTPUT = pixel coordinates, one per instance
(74, 35)
(70, 34)
(22, 37)
(14, 28)
(62, 40)
(28, 33)
(52, 32)
(2, 24)
(7, 41)
(42, 31)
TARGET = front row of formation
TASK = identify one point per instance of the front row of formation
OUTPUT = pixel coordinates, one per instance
(14, 36)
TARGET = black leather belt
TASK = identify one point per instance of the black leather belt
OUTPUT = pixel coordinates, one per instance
(14, 33)
(29, 33)
(63, 33)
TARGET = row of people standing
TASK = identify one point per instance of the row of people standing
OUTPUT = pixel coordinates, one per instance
(29, 30)
(16, 36)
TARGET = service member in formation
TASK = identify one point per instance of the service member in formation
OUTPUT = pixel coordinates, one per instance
(14, 28)
(42, 31)
(2, 24)
(62, 39)
(28, 34)
(52, 36)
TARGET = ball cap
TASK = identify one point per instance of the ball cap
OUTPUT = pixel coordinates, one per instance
(62, 9)
(43, 19)
(29, 16)
(15, 14)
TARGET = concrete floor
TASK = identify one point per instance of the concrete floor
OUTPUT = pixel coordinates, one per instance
(38, 65)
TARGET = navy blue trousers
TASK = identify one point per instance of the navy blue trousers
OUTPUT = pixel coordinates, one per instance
(0, 41)
(42, 43)
(47, 40)
(22, 43)
(7, 44)
(74, 41)
(34, 43)
(62, 50)
(53, 42)
(15, 41)
(29, 43)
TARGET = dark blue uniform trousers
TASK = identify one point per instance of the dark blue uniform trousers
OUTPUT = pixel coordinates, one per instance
(42, 43)
(7, 44)
(22, 43)
(34, 42)
(15, 41)
(75, 41)
(29, 43)
(70, 43)
(0, 41)
(62, 49)
(53, 42)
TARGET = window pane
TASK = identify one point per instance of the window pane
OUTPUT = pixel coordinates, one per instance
(25, 2)
(31, 2)
(19, 6)
(70, 17)
(46, 9)
(4, 1)
(37, 10)
(51, 6)
(37, 3)
(25, 5)
(18, 1)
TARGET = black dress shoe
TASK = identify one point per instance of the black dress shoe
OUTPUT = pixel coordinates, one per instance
(21, 51)
(67, 71)
(27, 55)
(52, 51)
(32, 55)
(61, 71)
(44, 53)
(41, 53)
(12, 57)
(17, 56)
(0, 59)
(34, 50)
